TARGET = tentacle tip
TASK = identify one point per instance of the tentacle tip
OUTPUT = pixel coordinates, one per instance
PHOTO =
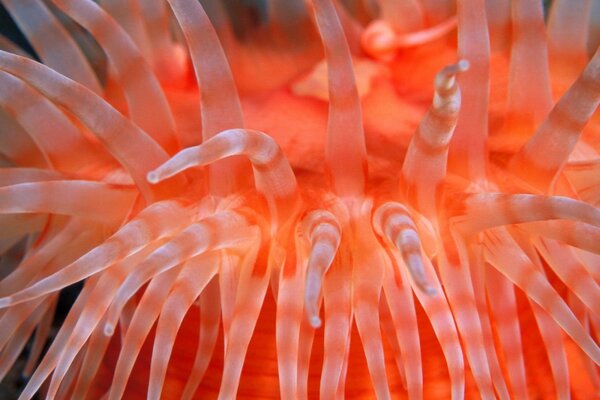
(109, 329)
(5, 302)
(315, 321)
(463, 65)
(153, 177)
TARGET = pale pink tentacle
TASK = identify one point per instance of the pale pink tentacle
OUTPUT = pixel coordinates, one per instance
(581, 235)
(345, 149)
(221, 108)
(144, 318)
(122, 138)
(544, 155)
(503, 307)
(468, 149)
(424, 165)
(52, 42)
(208, 331)
(192, 280)
(324, 233)
(509, 259)
(148, 106)
(151, 224)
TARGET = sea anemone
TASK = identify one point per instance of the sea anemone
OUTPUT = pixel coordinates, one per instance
(376, 198)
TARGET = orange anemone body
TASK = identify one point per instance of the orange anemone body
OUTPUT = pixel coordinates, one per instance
(301, 199)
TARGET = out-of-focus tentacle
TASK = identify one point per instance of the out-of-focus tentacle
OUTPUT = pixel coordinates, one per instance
(148, 106)
(124, 140)
(545, 154)
(52, 42)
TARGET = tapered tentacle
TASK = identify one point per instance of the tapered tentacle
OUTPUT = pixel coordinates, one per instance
(52, 42)
(124, 140)
(17, 341)
(577, 234)
(56, 136)
(482, 211)
(550, 330)
(8, 45)
(568, 26)
(192, 280)
(252, 288)
(437, 309)
(477, 267)
(66, 240)
(224, 230)
(151, 224)
(209, 329)
(468, 149)
(274, 176)
(143, 319)
(499, 22)
(345, 149)
(405, 329)
(502, 302)
(367, 280)
(17, 146)
(585, 177)
(545, 154)
(324, 232)
(15, 175)
(458, 287)
(562, 261)
(127, 13)
(424, 166)
(42, 332)
(156, 21)
(95, 350)
(393, 221)
(529, 96)
(221, 108)
(505, 255)
(75, 198)
(337, 302)
(148, 106)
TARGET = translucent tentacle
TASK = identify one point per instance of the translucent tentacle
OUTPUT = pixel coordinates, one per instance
(324, 233)
(148, 106)
(143, 319)
(459, 290)
(424, 166)
(481, 211)
(251, 293)
(502, 301)
(529, 96)
(151, 224)
(345, 149)
(468, 150)
(52, 42)
(337, 300)
(209, 329)
(220, 231)
(76, 198)
(515, 265)
(123, 139)
(581, 235)
(192, 280)
(274, 175)
(56, 136)
(221, 108)
(545, 154)
(393, 221)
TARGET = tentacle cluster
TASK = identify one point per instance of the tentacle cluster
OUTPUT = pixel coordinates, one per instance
(96, 186)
